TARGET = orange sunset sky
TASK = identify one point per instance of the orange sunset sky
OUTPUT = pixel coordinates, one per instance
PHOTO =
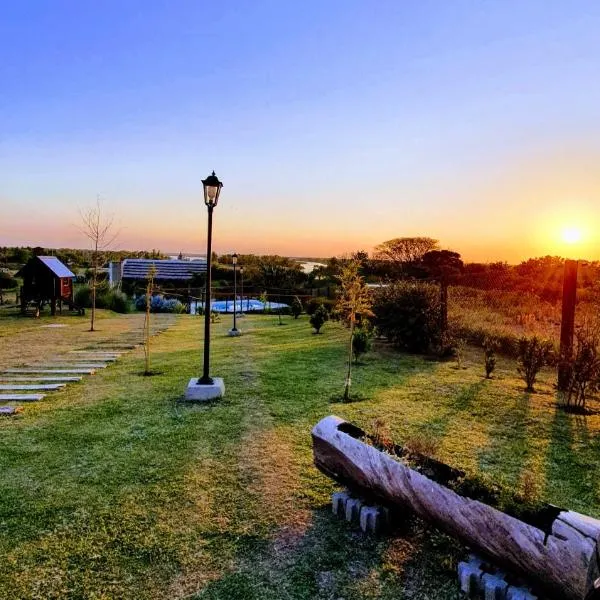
(473, 123)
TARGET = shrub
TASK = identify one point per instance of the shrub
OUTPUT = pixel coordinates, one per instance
(489, 347)
(408, 315)
(296, 307)
(115, 300)
(318, 318)
(361, 342)
(119, 302)
(314, 303)
(7, 281)
(534, 353)
(159, 304)
(584, 370)
(83, 296)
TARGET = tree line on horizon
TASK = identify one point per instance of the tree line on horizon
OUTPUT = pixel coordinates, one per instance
(406, 258)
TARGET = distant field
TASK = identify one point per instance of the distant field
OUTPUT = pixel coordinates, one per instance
(113, 489)
(476, 313)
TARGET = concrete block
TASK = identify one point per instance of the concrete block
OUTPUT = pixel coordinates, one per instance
(13, 378)
(21, 397)
(469, 577)
(234, 332)
(373, 518)
(196, 392)
(8, 410)
(73, 364)
(519, 593)
(353, 506)
(39, 371)
(15, 387)
(494, 586)
(338, 503)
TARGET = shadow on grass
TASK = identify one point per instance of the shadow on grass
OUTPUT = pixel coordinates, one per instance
(572, 468)
(333, 559)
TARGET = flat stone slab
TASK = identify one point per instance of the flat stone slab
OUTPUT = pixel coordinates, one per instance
(21, 397)
(53, 371)
(196, 392)
(52, 326)
(75, 365)
(11, 378)
(35, 386)
(9, 410)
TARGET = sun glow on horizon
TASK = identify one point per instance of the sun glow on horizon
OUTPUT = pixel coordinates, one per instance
(571, 235)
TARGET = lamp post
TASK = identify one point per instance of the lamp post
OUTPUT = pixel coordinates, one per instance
(234, 331)
(207, 388)
(242, 290)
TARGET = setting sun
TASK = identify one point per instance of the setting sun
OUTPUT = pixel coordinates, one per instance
(571, 235)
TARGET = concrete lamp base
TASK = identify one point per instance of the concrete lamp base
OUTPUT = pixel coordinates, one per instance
(234, 332)
(196, 392)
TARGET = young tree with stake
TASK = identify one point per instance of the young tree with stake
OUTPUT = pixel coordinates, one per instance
(354, 301)
(97, 227)
(149, 292)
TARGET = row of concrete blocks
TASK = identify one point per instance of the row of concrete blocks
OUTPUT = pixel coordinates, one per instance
(478, 580)
(372, 519)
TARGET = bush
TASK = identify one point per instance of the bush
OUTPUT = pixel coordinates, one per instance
(296, 307)
(584, 371)
(7, 281)
(159, 304)
(119, 302)
(83, 296)
(361, 342)
(314, 303)
(534, 353)
(318, 318)
(115, 300)
(489, 347)
(408, 315)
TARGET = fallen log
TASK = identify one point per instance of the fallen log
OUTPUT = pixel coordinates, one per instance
(557, 549)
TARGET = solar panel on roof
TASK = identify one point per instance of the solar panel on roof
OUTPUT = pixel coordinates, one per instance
(58, 268)
(138, 268)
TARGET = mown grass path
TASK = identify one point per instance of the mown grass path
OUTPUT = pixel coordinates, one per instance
(114, 489)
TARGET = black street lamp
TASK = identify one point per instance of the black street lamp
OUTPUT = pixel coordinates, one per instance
(212, 190)
(242, 291)
(234, 330)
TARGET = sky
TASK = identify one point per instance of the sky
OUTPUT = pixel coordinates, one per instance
(334, 124)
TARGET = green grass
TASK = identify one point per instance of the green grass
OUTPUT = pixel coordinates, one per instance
(114, 489)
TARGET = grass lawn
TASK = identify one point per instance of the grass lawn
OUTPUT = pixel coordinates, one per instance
(113, 489)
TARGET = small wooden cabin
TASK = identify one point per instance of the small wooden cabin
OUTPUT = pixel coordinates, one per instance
(46, 280)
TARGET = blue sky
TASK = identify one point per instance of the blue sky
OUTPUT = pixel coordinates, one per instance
(334, 125)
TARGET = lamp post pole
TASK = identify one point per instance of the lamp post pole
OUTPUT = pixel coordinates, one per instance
(206, 379)
(242, 291)
(234, 258)
(234, 331)
(212, 189)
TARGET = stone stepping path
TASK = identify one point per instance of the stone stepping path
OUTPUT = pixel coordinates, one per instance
(67, 368)
(38, 386)
(21, 397)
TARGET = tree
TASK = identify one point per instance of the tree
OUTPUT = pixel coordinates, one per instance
(442, 266)
(534, 353)
(354, 301)
(405, 251)
(97, 227)
(149, 293)
(407, 314)
(318, 318)
(296, 307)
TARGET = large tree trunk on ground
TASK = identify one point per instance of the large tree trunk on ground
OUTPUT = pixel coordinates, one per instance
(560, 554)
